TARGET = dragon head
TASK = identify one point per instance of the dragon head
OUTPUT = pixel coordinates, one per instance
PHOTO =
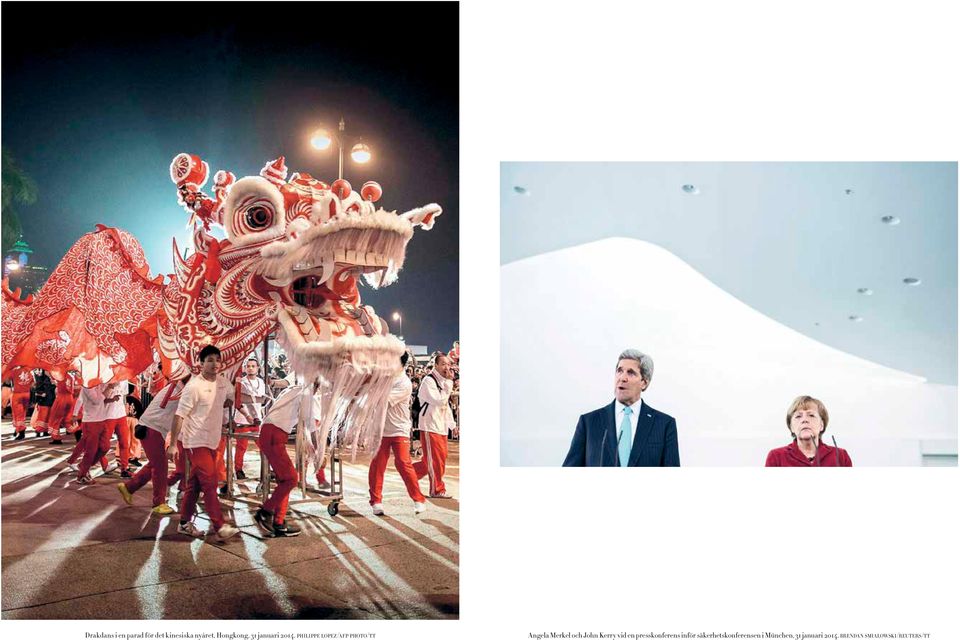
(293, 255)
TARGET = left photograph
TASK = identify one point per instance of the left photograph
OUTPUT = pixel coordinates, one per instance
(230, 316)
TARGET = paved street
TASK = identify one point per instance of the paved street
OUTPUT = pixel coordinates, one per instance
(73, 552)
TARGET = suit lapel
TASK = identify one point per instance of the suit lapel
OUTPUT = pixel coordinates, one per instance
(644, 428)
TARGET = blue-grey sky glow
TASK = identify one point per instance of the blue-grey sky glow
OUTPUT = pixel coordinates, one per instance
(95, 115)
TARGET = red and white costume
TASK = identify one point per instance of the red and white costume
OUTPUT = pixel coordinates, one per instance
(20, 401)
(96, 436)
(436, 420)
(201, 408)
(158, 418)
(116, 419)
(396, 437)
(62, 408)
(250, 392)
(295, 404)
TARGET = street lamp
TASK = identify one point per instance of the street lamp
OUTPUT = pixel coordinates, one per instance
(360, 153)
(322, 138)
(399, 319)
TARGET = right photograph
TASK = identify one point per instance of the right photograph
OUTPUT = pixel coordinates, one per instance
(780, 314)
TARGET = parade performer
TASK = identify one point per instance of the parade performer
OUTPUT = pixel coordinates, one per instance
(20, 401)
(136, 446)
(97, 428)
(115, 423)
(251, 394)
(396, 437)
(199, 417)
(436, 420)
(296, 404)
(154, 428)
(62, 408)
(45, 394)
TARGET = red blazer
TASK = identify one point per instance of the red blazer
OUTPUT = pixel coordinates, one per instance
(791, 456)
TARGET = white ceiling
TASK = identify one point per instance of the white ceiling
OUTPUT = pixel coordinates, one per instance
(785, 238)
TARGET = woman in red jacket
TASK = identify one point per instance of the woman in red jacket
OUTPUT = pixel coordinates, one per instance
(807, 420)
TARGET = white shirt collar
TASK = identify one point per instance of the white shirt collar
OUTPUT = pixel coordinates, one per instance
(635, 407)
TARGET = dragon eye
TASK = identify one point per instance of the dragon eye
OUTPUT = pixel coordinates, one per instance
(259, 218)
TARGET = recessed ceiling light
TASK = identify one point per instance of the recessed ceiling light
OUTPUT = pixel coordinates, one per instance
(865, 291)
(691, 189)
(856, 319)
(522, 191)
(890, 220)
(911, 281)
(849, 192)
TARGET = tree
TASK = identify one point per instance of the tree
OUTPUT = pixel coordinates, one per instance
(18, 189)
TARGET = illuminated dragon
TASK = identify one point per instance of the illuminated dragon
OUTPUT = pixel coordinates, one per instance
(293, 253)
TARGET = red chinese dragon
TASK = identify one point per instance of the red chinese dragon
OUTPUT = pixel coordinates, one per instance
(291, 260)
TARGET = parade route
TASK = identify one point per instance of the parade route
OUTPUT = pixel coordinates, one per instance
(79, 552)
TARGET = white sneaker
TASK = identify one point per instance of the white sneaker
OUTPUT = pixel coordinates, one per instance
(377, 509)
(419, 507)
(226, 531)
(110, 468)
(190, 529)
(443, 495)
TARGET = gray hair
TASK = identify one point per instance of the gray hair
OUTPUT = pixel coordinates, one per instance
(645, 361)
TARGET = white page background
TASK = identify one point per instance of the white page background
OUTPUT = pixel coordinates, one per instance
(875, 550)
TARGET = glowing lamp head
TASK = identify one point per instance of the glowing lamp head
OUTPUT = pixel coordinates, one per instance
(396, 315)
(321, 139)
(361, 153)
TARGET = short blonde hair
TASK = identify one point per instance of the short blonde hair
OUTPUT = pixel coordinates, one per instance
(801, 402)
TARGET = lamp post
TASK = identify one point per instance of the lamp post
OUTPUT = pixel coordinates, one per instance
(321, 139)
(399, 319)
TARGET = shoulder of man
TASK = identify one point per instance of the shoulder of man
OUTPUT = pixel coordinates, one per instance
(657, 415)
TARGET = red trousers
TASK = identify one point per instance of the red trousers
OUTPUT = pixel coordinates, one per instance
(178, 470)
(43, 413)
(401, 460)
(80, 447)
(273, 443)
(221, 465)
(60, 416)
(122, 429)
(203, 478)
(96, 443)
(434, 461)
(241, 445)
(19, 403)
(155, 470)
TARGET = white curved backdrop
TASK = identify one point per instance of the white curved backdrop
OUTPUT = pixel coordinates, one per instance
(726, 372)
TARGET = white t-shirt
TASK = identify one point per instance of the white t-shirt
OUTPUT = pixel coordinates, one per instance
(201, 407)
(91, 402)
(255, 389)
(292, 405)
(398, 422)
(159, 413)
(117, 408)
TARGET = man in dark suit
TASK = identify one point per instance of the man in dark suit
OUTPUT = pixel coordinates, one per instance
(627, 432)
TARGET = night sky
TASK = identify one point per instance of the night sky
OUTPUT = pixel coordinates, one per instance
(98, 101)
